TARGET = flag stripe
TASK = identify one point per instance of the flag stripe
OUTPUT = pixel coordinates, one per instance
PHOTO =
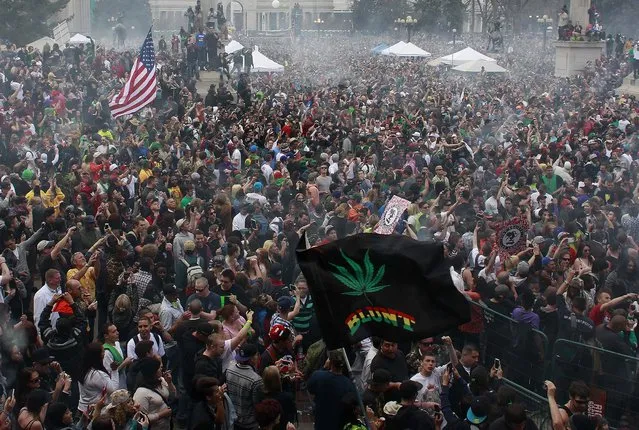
(138, 99)
(132, 87)
(137, 91)
(141, 87)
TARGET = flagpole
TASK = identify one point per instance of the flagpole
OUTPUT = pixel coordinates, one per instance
(317, 281)
(359, 397)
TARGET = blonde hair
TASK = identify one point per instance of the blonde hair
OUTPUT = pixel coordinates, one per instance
(511, 262)
(413, 209)
(122, 303)
(272, 380)
(267, 245)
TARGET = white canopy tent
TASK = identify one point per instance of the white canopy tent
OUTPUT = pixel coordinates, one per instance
(233, 46)
(78, 39)
(402, 49)
(476, 67)
(261, 63)
(396, 46)
(39, 44)
(460, 57)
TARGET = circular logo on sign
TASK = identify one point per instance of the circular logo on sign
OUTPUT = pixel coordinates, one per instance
(391, 216)
(510, 237)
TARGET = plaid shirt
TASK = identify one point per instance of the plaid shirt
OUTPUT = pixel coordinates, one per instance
(142, 280)
(244, 387)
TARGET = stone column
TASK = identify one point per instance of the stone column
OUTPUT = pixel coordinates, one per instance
(578, 12)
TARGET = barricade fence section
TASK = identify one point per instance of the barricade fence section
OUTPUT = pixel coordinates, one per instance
(612, 378)
(537, 408)
(528, 359)
(520, 349)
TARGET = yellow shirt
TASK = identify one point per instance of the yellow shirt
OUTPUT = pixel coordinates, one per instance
(176, 193)
(145, 174)
(50, 199)
(87, 282)
(106, 133)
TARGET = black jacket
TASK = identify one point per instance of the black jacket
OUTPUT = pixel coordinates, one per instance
(202, 418)
(66, 347)
(132, 376)
(613, 364)
(413, 418)
(207, 366)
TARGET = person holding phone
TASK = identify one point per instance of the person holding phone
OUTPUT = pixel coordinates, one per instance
(5, 415)
(122, 410)
(154, 394)
(94, 379)
(429, 375)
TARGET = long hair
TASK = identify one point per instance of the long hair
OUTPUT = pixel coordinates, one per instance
(36, 401)
(149, 378)
(55, 416)
(272, 380)
(22, 389)
(92, 360)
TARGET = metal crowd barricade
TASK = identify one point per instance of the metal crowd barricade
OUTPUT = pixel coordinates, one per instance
(520, 348)
(528, 360)
(612, 377)
(537, 408)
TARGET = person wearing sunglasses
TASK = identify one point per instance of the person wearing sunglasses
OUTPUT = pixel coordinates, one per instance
(579, 394)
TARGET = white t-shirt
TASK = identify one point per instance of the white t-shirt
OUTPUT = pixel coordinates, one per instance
(118, 378)
(333, 168)
(238, 222)
(267, 171)
(130, 185)
(157, 349)
(623, 123)
(432, 382)
(237, 157)
(227, 355)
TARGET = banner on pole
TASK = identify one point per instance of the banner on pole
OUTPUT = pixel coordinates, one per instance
(393, 212)
(511, 236)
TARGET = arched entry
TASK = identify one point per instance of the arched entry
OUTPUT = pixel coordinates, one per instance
(235, 14)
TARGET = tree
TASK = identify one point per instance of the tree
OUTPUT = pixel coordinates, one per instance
(378, 15)
(135, 13)
(24, 21)
(440, 15)
(618, 16)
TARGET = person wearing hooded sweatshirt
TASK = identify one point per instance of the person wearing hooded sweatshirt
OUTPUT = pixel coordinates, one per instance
(477, 414)
(65, 341)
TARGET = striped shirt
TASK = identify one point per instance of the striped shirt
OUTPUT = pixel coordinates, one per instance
(302, 322)
(244, 387)
(278, 319)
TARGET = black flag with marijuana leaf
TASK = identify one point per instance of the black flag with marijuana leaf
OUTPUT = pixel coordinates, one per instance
(381, 285)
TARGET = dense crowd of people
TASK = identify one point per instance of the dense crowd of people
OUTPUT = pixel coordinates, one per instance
(148, 268)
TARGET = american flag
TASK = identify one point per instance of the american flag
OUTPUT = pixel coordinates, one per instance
(141, 87)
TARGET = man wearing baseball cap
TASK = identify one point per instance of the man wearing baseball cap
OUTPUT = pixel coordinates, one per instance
(280, 349)
(244, 385)
(476, 416)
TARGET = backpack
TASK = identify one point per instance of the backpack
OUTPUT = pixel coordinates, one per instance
(155, 335)
(193, 272)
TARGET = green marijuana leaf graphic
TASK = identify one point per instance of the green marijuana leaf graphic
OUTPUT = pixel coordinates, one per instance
(362, 281)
